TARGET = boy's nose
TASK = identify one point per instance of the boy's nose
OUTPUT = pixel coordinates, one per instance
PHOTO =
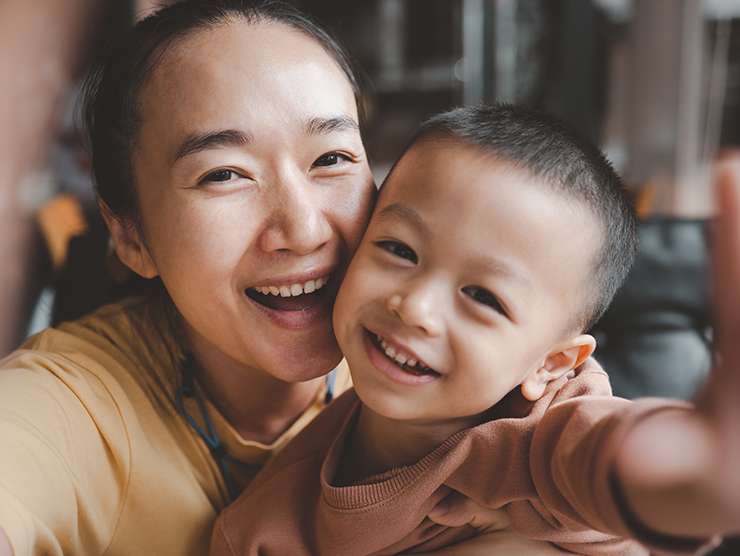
(419, 308)
(298, 219)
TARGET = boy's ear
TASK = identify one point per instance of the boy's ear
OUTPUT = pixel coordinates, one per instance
(565, 357)
(129, 246)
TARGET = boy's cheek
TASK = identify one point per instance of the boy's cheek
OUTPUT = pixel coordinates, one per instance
(355, 293)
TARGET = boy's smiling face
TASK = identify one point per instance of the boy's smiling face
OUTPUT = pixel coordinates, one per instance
(463, 288)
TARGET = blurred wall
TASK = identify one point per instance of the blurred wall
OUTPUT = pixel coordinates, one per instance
(43, 48)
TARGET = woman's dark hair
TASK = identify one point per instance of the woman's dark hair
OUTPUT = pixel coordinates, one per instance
(111, 92)
(567, 162)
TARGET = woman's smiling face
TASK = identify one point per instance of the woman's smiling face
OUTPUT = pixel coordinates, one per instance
(252, 181)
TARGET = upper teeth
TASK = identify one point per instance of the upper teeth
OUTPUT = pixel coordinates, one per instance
(294, 289)
(400, 358)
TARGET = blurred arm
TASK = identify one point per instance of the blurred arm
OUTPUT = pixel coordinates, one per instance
(679, 471)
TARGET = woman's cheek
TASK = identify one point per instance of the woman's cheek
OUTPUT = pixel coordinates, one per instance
(357, 215)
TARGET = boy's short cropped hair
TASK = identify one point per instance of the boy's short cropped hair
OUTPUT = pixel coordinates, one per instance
(564, 159)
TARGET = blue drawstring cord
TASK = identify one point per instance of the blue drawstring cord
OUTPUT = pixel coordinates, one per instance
(331, 378)
(217, 449)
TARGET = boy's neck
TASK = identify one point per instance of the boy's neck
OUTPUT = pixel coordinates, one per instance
(377, 444)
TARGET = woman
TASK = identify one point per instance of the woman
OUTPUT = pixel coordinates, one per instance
(223, 175)
(230, 168)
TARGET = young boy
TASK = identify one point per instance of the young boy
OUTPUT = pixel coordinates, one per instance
(499, 237)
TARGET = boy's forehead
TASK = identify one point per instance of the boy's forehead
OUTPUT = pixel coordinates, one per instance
(422, 162)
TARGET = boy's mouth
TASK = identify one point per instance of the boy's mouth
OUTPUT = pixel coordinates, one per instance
(290, 297)
(407, 362)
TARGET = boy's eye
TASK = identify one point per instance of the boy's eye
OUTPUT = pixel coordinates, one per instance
(328, 159)
(220, 176)
(484, 297)
(399, 250)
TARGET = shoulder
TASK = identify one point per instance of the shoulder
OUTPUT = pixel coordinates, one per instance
(110, 354)
(111, 328)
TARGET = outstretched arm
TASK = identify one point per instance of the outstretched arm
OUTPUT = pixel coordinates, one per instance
(679, 472)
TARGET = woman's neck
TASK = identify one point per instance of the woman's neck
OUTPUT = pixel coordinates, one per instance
(259, 406)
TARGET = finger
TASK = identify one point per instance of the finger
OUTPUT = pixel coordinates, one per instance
(456, 510)
(726, 247)
(721, 397)
(722, 388)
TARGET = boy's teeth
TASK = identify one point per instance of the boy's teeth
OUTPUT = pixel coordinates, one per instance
(400, 358)
(294, 289)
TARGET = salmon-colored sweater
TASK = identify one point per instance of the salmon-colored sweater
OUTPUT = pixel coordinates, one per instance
(549, 462)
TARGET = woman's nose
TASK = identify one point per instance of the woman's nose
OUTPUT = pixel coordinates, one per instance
(420, 307)
(299, 218)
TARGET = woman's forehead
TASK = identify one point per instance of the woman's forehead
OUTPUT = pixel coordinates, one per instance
(248, 40)
(261, 79)
(242, 52)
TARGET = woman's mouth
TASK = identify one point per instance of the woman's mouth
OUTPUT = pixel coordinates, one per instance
(300, 296)
(404, 360)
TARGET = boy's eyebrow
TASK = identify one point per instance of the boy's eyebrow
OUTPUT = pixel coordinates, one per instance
(320, 125)
(197, 142)
(500, 268)
(403, 213)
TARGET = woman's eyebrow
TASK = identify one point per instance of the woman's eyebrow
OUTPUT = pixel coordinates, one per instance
(321, 125)
(197, 142)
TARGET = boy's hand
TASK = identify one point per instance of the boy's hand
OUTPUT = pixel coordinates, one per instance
(494, 533)
(680, 471)
(455, 510)
(500, 543)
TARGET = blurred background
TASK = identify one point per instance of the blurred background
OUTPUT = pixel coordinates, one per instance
(655, 82)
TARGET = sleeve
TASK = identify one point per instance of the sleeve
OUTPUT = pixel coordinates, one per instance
(571, 462)
(62, 480)
(220, 545)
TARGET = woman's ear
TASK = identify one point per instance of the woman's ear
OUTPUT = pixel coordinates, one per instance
(564, 358)
(129, 246)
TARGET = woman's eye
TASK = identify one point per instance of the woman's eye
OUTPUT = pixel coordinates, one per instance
(399, 250)
(328, 159)
(220, 176)
(484, 297)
